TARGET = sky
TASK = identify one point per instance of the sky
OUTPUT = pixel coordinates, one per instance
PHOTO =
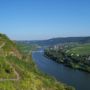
(44, 19)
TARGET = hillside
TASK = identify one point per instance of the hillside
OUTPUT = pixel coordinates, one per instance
(18, 71)
(62, 40)
(7, 47)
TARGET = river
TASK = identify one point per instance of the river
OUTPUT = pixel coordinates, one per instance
(78, 79)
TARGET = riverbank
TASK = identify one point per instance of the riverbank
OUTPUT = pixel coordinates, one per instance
(71, 61)
(38, 79)
(62, 73)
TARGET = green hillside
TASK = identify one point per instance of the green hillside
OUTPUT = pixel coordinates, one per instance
(18, 71)
(83, 49)
(7, 47)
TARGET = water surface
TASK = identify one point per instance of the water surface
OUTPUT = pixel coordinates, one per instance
(79, 79)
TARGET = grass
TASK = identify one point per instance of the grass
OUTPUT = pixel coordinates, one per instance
(81, 49)
(6, 71)
(25, 48)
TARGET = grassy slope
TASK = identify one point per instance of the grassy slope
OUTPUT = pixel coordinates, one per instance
(29, 77)
(6, 71)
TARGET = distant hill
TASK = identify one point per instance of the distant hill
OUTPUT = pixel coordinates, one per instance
(54, 41)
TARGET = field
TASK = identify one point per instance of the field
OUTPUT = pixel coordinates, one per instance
(81, 49)
(25, 48)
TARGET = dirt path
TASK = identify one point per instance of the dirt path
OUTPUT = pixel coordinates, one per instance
(12, 79)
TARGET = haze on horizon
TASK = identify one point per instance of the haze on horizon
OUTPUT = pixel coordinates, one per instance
(44, 19)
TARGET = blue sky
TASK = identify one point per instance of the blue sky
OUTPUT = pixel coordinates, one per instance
(44, 19)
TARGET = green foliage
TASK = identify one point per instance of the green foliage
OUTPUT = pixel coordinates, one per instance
(6, 71)
(77, 57)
